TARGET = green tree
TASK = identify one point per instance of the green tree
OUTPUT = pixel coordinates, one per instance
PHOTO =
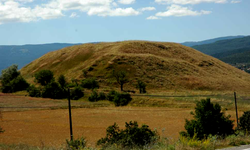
(44, 77)
(121, 77)
(12, 80)
(54, 91)
(244, 124)
(141, 86)
(208, 119)
(62, 81)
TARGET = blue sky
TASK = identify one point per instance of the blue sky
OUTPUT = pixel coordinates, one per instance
(82, 21)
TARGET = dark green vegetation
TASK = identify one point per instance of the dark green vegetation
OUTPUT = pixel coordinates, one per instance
(121, 77)
(141, 86)
(51, 89)
(119, 99)
(130, 137)
(90, 83)
(244, 124)
(24, 54)
(208, 120)
(161, 66)
(76, 144)
(233, 51)
(190, 44)
(224, 46)
(12, 81)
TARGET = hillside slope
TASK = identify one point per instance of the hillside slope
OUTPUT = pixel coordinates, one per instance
(163, 66)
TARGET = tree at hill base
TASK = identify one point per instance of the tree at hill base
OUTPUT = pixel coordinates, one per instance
(208, 120)
(12, 81)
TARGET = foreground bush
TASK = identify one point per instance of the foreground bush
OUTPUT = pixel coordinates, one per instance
(76, 144)
(131, 136)
(244, 124)
(208, 120)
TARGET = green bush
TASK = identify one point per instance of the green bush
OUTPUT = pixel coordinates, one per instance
(102, 96)
(79, 143)
(76, 93)
(34, 91)
(53, 90)
(131, 136)
(208, 120)
(111, 95)
(122, 99)
(90, 83)
(244, 124)
(94, 96)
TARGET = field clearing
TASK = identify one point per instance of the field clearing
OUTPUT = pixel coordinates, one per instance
(26, 122)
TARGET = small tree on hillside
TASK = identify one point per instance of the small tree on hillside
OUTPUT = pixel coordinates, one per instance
(90, 83)
(141, 86)
(121, 77)
(208, 119)
(44, 77)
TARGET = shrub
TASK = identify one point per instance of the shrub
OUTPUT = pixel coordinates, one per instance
(54, 91)
(244, 124)
(101, 96)
(122, 99)
(111, 95)
(208, 119)
(79, 143)
(76, 93)
(94, 96)
(34, 91)
(90, 83)
(44, 77)
(131, 136)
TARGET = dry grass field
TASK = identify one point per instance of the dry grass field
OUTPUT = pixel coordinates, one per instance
(49, 125)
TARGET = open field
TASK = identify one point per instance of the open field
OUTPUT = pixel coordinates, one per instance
(49, 125)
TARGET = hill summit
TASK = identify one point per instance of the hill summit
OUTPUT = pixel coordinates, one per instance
(161, 65)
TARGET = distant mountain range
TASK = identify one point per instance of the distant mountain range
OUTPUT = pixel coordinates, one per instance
(233, 51)
(190, 44)
(24, 54)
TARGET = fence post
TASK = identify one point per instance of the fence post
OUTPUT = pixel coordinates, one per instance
(70, 119)
(236, 108)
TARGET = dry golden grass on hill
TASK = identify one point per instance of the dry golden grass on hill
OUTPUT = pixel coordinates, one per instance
(161, 65)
